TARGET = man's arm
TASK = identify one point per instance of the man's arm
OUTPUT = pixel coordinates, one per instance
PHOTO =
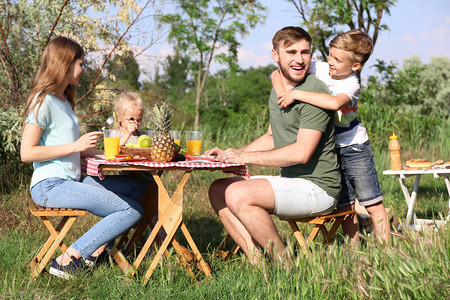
(297, 153)
(264, 142)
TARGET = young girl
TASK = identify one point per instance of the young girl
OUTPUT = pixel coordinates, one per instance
(51, 141)
(129, 111)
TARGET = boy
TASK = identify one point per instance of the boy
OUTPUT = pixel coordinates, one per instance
(348, 52)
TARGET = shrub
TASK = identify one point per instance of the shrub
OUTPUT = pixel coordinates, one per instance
(12, 171)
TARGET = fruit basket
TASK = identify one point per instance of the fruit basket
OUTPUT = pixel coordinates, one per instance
(142, 152)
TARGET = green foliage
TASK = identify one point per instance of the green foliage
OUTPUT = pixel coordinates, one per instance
(11, 129)
(126, 71)
(412, 101)
(325, 19)
(198, 29)
(27, 26)
(237, 98)
(12, 170)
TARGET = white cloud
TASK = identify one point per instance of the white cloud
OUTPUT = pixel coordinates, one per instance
(438, 18)
(244, 54)
(264, 60)
(267, 47)
(440, 35)
(258, 56)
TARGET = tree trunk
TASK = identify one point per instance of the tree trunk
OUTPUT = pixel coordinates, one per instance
(197, 111)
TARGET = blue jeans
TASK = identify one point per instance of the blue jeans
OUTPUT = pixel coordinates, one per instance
(116, 199)
(358, 175)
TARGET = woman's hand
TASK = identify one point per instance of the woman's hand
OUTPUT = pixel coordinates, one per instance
(30, 151)
(87, 141)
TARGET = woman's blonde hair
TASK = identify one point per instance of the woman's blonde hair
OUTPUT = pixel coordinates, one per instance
(57, 58)
(128, 100)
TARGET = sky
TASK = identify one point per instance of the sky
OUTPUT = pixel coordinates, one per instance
(417, 28)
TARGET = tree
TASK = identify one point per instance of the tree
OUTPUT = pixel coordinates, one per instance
(26, 27)
(237, 98)
(176, 76)
(409, 100)
(324, 19)
(201, 29)
(126, 71)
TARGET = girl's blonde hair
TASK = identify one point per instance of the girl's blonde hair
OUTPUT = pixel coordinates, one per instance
(128, 100)
(59, 54)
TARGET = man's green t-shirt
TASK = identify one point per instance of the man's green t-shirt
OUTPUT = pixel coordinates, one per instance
(322, 168)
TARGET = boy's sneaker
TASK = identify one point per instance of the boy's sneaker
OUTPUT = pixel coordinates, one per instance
(91, 261)
(67, 272)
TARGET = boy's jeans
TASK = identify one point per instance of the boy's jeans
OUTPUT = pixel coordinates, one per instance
(116, 199)
(358, 175)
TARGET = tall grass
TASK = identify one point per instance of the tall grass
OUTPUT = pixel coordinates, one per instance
(413, 268)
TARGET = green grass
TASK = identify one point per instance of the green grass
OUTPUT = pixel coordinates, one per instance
(413, 268)
(416, 267)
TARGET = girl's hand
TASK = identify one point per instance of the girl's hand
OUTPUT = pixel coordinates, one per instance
(130, 128)
(88, 141)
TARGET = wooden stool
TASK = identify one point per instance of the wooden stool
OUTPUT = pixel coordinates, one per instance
(57, 234)
(227, 254)
(319, 222)
(335, 219)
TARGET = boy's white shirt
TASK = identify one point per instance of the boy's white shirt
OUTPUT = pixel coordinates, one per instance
(350, 87)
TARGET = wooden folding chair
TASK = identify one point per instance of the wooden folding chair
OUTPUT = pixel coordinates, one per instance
(229, 253)
(57, 234)
(335, 219)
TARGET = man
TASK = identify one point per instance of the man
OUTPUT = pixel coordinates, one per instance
(300, 140)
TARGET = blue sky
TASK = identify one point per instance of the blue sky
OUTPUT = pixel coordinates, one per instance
(417, 28)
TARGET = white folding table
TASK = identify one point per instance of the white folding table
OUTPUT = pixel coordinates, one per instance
(437, 172)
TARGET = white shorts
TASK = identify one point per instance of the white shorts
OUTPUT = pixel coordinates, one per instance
(297, 197)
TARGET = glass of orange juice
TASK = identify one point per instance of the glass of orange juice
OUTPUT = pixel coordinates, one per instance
(176, 137)
(111, 142)
(193, 142)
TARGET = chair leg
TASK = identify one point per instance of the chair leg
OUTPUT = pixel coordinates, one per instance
(332, 232)
(39, 262)
(315, 231)
(51, 238)
(227, 254)
(299, 236)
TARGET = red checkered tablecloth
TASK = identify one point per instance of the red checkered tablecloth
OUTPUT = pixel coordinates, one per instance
(91, 166)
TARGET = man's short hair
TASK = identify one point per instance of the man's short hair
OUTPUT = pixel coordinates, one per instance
(355, 41)
(288, 36)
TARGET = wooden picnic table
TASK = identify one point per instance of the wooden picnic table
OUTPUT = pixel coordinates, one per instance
(169, 210)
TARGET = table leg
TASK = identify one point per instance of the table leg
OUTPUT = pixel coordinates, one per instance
(170, 218)
(447, 183)
(409, 216)
(202, 265)
(149, 205)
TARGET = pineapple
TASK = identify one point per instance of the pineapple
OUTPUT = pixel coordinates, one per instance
(163, 147)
